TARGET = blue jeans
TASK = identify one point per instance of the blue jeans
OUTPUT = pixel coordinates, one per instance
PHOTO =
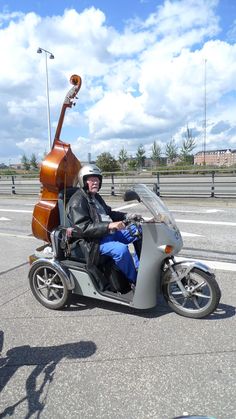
(115, 245)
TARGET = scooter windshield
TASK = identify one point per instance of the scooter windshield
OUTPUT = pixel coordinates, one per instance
(155, 205)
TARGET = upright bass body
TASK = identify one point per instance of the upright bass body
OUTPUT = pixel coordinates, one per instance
(59, 170)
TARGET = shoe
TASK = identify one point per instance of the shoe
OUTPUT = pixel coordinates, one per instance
(132, 286)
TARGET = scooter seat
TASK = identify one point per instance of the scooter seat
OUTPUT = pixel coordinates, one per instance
(60, 248)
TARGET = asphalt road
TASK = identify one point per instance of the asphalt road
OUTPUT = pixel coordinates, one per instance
(98, 360)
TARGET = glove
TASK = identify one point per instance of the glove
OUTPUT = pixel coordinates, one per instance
(134, 217)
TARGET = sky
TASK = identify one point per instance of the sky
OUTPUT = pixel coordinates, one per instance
(150, 69)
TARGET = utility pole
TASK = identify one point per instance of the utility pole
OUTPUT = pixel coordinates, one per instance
(205, 115)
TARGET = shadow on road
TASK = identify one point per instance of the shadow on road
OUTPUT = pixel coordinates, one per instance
(223, 311)
(79, 303)
(44, 361)
(1, 341)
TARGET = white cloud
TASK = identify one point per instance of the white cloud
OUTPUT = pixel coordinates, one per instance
(31, 146)
(130, 42)
(29, 142)
(231, 34)
(176, 17)
(143, 83)
(120, 115)
(6, 17)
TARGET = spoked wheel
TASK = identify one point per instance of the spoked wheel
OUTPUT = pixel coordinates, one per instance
(48, 286)
(203, 295)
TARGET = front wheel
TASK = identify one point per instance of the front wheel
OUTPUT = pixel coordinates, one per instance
(203, 294)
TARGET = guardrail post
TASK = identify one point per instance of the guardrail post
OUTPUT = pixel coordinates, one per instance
(13, 189)
(112, 185)
(156, 186)
(212, 184)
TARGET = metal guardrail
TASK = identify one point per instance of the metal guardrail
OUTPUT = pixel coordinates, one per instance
(18, 185)
(205, 185)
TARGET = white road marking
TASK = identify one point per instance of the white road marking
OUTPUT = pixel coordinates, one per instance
(11, 210)
(18, 236)
(223, 223)
(4, 219)
(29, 205)
(185, 234)
(210, 211)
(125, 207)
(219, 223)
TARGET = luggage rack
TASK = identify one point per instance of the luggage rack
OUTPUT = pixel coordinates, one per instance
(44, 251)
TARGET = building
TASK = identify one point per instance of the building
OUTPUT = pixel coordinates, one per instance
(16, 166)
(150, 164)
(223, 157)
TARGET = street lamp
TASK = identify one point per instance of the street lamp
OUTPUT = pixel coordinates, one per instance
(205, 112)
(51, 56)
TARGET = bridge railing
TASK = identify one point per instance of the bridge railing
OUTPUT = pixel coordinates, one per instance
(209, 184)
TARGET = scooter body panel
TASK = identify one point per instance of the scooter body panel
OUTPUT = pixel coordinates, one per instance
(156, 236)
(84, 285)
(148, 285)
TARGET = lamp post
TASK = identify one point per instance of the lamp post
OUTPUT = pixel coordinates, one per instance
(205, 113)
(51, 56)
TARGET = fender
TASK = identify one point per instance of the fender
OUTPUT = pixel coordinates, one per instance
(196, 264)
(70, 282)
(182, 268)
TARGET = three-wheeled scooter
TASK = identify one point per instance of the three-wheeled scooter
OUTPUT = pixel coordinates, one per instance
(188, 286)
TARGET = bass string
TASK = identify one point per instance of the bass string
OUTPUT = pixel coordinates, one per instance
(43, 227)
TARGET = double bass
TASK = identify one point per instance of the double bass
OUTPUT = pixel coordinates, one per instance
(59, 170)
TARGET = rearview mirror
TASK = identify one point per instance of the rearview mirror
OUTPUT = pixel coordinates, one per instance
(131, 195)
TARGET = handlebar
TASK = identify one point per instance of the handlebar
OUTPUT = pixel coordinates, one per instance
(133, 220)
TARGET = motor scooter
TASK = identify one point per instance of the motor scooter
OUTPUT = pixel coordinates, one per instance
(189, 287)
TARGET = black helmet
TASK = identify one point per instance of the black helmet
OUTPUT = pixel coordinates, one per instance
(89, 170)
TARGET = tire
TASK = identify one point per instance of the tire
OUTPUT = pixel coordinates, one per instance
(201, 301)
(48, 286)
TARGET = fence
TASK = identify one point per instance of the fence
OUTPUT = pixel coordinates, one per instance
(210, 184)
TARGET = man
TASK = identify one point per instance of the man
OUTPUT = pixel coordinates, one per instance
(101, 229)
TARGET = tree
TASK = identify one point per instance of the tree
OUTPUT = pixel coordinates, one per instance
(171, 150)
(156, 153)
(25, 161)
(107, 163)
(33, 161)
(122, 157)
(187, 147)
(140, 156)
(132, 163)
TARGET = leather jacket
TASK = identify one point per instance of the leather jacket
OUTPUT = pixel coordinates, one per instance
(83, 215)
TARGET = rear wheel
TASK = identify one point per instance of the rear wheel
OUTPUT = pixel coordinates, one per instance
(203, 294)
(48, 286)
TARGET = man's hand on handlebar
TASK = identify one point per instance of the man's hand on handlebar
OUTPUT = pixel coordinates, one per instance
(121, 225)
(116, 225)
(133, 217)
